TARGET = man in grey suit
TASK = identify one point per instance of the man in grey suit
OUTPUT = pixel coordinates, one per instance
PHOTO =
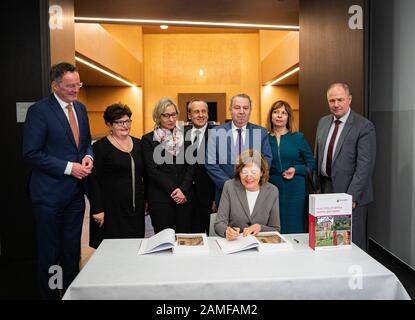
(345, 150)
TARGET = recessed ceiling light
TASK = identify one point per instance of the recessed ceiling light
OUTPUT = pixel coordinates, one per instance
(164, 26)
(93, 66)
(188, 23)
(284, 76)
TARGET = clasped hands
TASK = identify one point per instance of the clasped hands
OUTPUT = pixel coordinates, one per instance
(82, 170)
(232, 232)
(178, 196)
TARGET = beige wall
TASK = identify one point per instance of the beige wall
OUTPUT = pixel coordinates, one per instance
(172, 63)
(268, 40)
(285, 56)
(98, 98)
(98, 45)
(130, 37)
(270, 94)
(279, 51)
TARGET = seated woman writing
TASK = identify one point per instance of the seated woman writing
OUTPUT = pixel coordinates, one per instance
(249, 203)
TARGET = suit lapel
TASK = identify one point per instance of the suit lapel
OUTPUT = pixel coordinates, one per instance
(230, 143)
(323, 139)
(241, 194)
(60, 114)
(81, 121)
(347, 126)
(204, 139)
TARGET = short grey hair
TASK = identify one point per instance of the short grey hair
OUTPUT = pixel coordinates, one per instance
(161, 106)
(340, 84)
(189, 105)
(241, 95)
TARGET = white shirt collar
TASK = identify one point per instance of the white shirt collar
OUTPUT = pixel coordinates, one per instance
(234, 128)
(62, 103)
(202, 129)
(344, 118)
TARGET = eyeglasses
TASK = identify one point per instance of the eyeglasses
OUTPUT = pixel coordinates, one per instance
(122, 122)
(252, 172)
(73, 86)
(169, 115)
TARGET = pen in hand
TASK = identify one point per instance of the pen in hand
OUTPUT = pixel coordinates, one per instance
(232, 233)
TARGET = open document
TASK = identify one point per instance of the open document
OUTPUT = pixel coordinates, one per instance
(180, 243)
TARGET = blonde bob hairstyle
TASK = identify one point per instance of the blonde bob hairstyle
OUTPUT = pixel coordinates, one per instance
(160, 107)
(252, 156)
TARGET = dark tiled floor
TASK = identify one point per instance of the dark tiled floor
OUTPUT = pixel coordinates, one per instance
(18, 280)
(405, 274)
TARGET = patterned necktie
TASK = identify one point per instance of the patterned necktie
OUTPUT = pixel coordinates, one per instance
(72, 123)
(196, 142)
(196, 137)
(238, 144)
(331, 147)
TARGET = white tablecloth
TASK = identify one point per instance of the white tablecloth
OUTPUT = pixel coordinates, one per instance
(116, 271)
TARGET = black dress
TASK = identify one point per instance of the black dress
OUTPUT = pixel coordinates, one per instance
(111, 191)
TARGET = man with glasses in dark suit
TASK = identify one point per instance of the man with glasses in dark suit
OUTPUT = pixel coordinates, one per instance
(57, 146)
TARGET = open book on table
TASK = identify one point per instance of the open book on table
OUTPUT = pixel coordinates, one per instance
(180, 243)
(264, 242)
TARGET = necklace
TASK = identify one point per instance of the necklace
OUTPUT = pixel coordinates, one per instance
(123, 148)
(132, 165)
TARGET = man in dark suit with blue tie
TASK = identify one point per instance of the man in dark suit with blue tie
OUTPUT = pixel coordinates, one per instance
(228, 141)
(57, 146)
(345, 150)
(203, 186)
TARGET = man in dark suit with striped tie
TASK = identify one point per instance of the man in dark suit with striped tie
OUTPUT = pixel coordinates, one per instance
(227, 141)
(203, 186)
(57, 146)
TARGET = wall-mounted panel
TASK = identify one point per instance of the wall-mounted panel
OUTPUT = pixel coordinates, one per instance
(329, 52)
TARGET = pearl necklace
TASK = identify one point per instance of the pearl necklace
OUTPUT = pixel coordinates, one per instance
(120, 145)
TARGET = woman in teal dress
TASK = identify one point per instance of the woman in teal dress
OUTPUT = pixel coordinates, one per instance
(291, 160)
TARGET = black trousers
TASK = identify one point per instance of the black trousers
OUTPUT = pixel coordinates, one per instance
(200, 221)
(171, 215)
(359, 218)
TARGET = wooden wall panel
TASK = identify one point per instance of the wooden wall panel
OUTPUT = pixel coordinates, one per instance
(242, 11)
(62, 40)
(329, 52)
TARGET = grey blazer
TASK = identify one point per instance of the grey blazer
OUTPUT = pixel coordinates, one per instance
(234, 211)
(354, 157)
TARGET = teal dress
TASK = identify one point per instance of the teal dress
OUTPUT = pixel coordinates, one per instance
(293, 151)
